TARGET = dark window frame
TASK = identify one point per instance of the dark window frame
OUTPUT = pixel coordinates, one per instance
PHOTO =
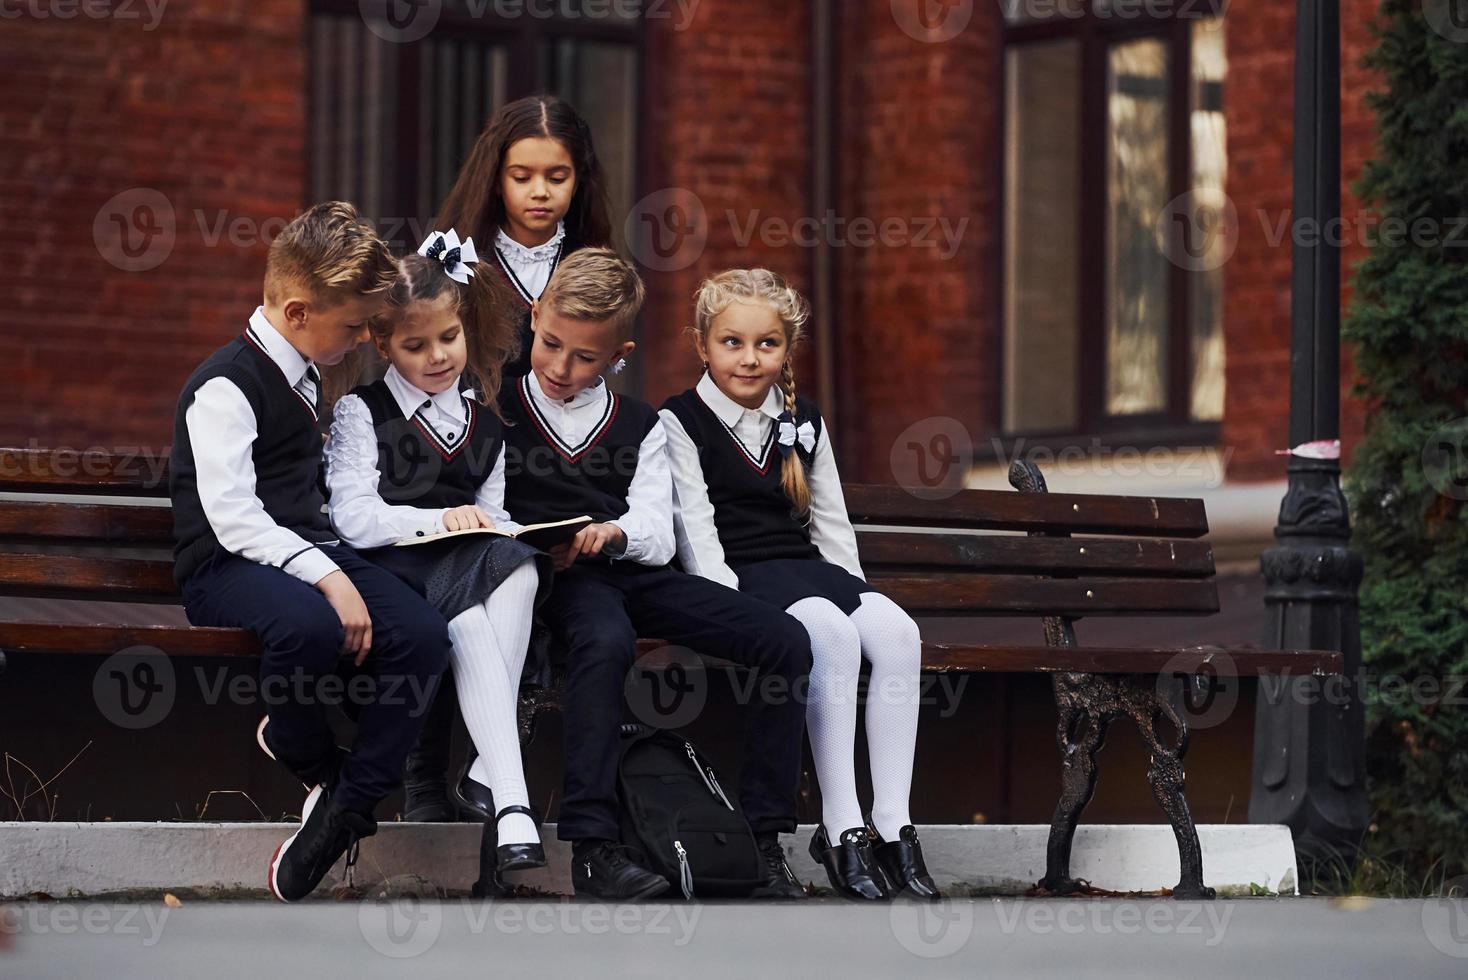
(1094, 427)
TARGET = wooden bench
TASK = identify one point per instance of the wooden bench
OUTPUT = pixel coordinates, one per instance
(1139, 556)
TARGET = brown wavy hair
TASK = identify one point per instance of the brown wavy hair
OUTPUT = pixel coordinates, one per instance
(763, 286)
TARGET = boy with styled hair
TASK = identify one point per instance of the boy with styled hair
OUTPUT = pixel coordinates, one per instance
(573, 447)
(254, 548)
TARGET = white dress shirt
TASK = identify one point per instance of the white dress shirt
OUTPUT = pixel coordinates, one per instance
(699, 550)
(531, 267)
(358, 513)
(648, 522)
(222, 432)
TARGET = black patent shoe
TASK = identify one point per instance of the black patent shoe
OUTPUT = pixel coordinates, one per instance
(902, 862)
(850, 864)
(472, 800)
(518, 857)
(780, 881)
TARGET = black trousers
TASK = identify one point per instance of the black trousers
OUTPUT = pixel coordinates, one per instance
(302, 638)
(597, 609)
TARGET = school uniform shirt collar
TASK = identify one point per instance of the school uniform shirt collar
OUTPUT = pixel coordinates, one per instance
(278, 349)
(411, 398)
(594, 394)
(521, 255)
(729, 411)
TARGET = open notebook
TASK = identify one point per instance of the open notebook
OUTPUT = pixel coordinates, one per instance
(542, 536)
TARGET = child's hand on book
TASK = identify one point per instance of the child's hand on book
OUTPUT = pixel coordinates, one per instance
(356, 623)
(590, 540)
(466, 517)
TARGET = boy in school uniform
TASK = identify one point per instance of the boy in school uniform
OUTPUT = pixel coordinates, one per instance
(572, 447)
(254, 549)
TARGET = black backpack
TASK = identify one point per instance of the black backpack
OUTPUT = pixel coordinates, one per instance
(676, 814)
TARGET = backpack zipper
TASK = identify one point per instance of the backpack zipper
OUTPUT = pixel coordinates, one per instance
(709, 779)
(685, 873)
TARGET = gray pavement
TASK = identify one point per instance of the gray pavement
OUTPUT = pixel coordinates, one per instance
(1254, 938)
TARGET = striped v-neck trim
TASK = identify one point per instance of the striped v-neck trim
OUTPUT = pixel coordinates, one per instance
(514, 280)
(548, 431)
(760, 463)
(447, 449)
(254, 340)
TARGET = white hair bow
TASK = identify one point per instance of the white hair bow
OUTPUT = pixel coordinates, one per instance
(455, 255)
(790, 432)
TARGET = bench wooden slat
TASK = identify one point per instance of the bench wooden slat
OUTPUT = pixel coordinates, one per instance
(63, 471)
(1037, 556)
(1004, 510)
(73, 577)
(944, 594)
(86, 638)
(110, 523)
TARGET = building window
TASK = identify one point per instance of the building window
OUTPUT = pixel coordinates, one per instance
(391, 121)
(1112, 114)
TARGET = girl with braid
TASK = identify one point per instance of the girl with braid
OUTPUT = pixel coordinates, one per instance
(758, 506)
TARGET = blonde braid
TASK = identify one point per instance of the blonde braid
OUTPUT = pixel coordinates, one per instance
(792, 470)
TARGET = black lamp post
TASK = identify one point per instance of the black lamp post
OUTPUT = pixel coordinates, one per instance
(1309, 739)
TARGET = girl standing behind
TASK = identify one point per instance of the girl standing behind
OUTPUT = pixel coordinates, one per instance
(532, 186)
(416, 453)
(759, 508)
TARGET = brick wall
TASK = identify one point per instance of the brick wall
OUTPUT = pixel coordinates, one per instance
(1257, 278)
(202, 115)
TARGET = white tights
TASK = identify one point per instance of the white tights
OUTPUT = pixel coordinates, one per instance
(490, 641)
(888, 638)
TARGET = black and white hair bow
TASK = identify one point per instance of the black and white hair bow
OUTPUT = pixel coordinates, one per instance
(790, 433)
(455, 255)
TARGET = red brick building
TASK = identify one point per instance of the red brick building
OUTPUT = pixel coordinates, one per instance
(995, 204)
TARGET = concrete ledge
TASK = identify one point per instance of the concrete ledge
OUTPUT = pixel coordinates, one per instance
(69, 860)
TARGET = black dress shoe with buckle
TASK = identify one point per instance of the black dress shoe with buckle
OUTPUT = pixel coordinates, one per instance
(780, 881)
(518, 857)
(902, 862)
(605, 870)
(850, 864)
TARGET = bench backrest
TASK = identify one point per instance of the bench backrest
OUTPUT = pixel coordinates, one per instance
(1139, 555)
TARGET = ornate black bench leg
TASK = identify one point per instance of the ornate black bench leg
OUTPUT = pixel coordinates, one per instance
(1080, 735)
(1166, 775)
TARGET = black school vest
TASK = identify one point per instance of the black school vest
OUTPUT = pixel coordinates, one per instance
(420, 467)
(286, 454)
(547, 480)
(518, 300)
(751, 511)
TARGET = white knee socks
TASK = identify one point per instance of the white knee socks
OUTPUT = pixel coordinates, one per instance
(489, 645)
(890, 641)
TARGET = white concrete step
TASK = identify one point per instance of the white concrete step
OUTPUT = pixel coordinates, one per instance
(229, 859)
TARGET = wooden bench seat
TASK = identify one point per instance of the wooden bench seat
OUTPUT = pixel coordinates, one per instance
(1055, 557)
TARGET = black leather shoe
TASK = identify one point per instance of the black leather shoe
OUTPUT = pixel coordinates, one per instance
(518, 857)
(606, 871)
(472, 800)
(850, 865)
(780, 881)
(901, 861)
